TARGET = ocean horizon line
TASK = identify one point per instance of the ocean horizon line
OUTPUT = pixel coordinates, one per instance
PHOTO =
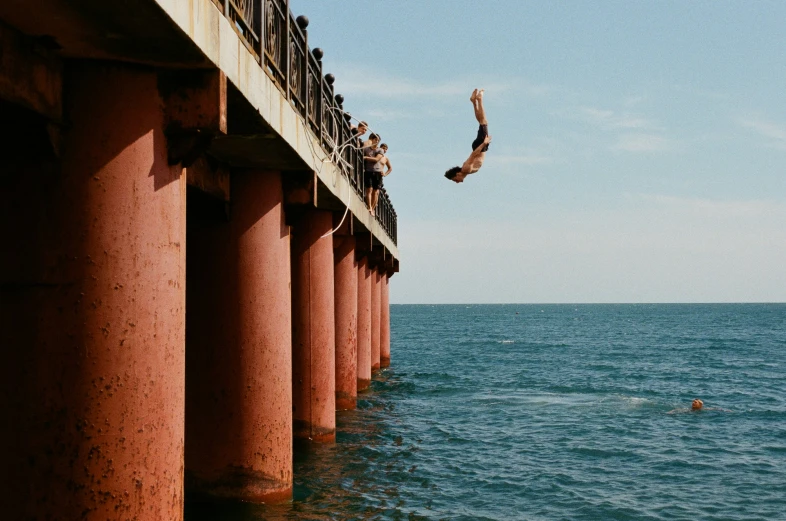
(724, 303)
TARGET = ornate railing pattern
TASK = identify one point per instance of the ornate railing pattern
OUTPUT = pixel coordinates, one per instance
(280, 43)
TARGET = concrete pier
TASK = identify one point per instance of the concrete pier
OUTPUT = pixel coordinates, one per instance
(313, 328)
(239, 337)
(174, 310)
(346, 306)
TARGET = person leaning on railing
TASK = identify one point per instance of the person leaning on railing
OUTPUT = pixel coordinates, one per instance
(357, 132)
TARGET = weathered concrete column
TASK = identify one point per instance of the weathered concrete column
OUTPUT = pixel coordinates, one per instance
(384, 325)
(346, 304)
(313, 328)
(239, 337)
(376, 315)
(92, 314)
(364, 324)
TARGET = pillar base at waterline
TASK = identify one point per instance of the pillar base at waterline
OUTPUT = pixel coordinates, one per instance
(304, 430)
(238, 483)
(345, 401)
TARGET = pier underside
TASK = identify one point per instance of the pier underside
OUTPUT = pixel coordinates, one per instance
(176, 304)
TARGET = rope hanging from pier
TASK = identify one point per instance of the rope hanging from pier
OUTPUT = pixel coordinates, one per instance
(335, 158)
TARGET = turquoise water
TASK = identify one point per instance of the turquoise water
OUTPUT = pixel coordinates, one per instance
(551, 412)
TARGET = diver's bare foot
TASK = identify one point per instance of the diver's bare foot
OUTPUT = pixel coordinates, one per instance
(474, 95)
(479, 94)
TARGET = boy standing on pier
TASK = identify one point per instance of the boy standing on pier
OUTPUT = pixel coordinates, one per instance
(372, 170)
(384, 169)
(385, 161)
(479, 146)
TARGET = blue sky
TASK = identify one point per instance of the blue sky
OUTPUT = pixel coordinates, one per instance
(638, 155)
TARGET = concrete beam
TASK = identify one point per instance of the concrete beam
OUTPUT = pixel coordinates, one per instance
(30, 75)
(195, 100)
(196, 111)
(212, 179)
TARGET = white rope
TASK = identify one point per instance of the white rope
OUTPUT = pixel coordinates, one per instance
(336, 158)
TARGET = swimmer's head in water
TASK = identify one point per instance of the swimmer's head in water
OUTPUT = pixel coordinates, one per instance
(697, 404)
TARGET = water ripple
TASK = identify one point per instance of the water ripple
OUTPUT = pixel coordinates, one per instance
(559, 412)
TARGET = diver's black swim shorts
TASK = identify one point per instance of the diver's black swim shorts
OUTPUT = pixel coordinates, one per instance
(483, 131)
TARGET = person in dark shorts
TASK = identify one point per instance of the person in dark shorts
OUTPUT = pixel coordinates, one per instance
(372, 170)
(483, 132)
(378, 174)
(475, 160)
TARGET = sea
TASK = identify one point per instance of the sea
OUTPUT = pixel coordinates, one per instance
(557, 412)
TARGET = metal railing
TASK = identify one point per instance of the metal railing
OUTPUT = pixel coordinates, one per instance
(280, 43)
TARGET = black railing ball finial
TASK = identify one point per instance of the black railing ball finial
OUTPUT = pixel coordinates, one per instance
(339, 99)
(302, 22)
(329, 78)
(318, 54)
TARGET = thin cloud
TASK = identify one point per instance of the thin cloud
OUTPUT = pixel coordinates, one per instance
(776, 134)
(632, 101)
(357, 80)
(713, 95)
(521, 159)
(612, 120)
(389, 115)
(715, 208)
(638, 143)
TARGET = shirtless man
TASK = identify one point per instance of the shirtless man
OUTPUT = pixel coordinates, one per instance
(479, 146)
(384, 162)
(372, 170)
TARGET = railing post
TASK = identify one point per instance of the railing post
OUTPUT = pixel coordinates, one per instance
(288, 47)
(304, 66)
(318, 97)
(259, 20)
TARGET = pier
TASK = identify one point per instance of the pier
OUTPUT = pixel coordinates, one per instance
(190, 278)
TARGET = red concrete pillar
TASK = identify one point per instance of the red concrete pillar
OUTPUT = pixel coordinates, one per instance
(375, 318)
(346, 304)
(239, 337)
(364, 324)
(313, 328)
(92, 315)
(384, 325)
